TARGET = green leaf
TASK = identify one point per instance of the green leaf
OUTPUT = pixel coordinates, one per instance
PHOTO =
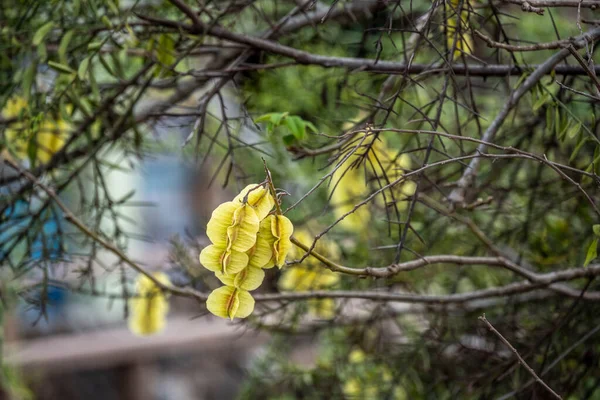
(296, 125)
(549, 118)
(64, 45)
(62, 68)
(41, 33)
(93, 46)
(106, 22)
(83, 68)
(42, 52)
(592, 253)
(310, 126)
(577, 148)
(113, 7)
(276, 118)
(32, 150)
(289, 139)
(540, 102)
(596, 229)
(574, 130)
(28, 78)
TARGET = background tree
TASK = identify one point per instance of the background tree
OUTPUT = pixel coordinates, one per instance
(438, 160)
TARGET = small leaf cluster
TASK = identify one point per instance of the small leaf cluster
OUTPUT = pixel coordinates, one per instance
(296, 126)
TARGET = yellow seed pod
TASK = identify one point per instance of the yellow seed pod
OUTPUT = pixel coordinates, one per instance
(281, 231)
(233, 226)
(261, 254)
(259, 198)
(218, 259)
(230, 302)
(149, 309)
(248, 279)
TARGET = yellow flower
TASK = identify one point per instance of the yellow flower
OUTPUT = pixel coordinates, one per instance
(299, 278)
(356, 356)
(14, 106)
(311, 275)
(353, 181)
(218, 259)
(230, 302)
(49, 138)
(259, 198)
(324, 246)
(457, 25)
(149, 309)
(233, 226)
(281, 229)
(249, 278)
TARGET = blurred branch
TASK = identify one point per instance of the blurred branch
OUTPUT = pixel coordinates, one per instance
(366, 64)
(516, 353)
(71, 218)
(457, 196)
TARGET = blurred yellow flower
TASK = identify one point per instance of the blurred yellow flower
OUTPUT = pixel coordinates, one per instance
(312, 275)
(49, 136)
(372, 166)
(148, 310)
(457, 25)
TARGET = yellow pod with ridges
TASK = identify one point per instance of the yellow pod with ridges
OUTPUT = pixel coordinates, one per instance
(148, 310)
(233, 226)
(259, 198)
(230, 302)
(218, 259)
(248, 279)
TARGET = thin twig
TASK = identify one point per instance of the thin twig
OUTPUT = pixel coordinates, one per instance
(523, 363)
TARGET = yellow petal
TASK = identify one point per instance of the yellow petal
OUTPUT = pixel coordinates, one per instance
(242, 233)
(230, 302)
(220, 221)
(259, 198)
(217, 259)
(249, 278)
(148, 310)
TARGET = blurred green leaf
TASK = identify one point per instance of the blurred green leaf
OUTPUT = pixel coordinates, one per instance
(83, 68)
(41, 33)
(592, 253)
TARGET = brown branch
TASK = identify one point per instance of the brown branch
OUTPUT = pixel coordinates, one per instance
(521, 360)
(593, 4)
(457, 196)
(557, 44)
(71, 218)
(364, 64)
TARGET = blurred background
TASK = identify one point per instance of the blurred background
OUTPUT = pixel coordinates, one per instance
(157, 124)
